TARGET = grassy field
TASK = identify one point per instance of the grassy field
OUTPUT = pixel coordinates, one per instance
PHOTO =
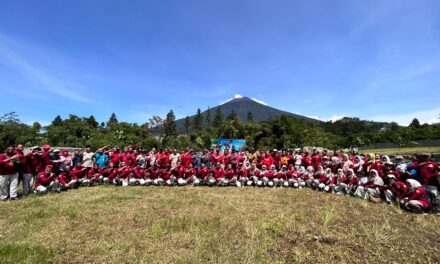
(403, 151)
(109, 224)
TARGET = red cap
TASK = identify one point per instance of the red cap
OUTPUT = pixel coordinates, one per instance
(47, 146)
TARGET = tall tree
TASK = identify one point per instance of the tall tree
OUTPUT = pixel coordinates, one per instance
(187, 124)
(57, 121)
(170, 128)
(232, 115)
(91, 121)
(112, 120)
(198, 121)
(208, 117)
(250, 117)
(218, 118)
(415, 123)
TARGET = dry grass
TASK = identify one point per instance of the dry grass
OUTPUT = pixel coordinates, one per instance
(218, 225)
(403, 151)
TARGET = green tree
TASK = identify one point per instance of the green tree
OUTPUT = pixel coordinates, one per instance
(415, 123)
(112, 120)
(187, 124)
(57, 121)
(198, 121)
(208, 117)
(91, 121)
(250, 117)
(170, 128)
(218, 118)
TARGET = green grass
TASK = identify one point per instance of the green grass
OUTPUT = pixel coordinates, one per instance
(215, 225)
(403, 151)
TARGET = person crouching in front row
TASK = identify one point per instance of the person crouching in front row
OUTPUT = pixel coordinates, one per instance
(46, 181)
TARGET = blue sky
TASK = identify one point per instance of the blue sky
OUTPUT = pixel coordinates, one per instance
(377, 60)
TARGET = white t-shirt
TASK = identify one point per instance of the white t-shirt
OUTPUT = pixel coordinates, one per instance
(87, 159)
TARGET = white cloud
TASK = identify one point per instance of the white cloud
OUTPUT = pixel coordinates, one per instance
(335, 118)
(424, 116)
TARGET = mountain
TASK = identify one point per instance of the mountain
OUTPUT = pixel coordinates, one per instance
(242, 105)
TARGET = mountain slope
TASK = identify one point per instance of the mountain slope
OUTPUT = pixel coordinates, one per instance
(243, 105)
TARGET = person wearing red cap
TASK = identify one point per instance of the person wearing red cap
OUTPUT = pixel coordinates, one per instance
(46, 181)
(9, 174)
(45, 155)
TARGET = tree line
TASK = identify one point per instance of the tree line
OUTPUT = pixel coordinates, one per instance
(282, 132)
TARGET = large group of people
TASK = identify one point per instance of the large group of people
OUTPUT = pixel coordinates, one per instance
(412, 184)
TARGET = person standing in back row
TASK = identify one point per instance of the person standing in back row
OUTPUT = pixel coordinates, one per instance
(87, 158)
(9, 174)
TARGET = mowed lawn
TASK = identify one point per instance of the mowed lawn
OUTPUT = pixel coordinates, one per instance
(109, 224)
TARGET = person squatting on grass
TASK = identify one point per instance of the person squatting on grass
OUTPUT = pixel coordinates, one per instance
(413, 185)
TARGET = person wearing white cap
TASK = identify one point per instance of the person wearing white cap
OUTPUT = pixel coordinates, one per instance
(371, 189)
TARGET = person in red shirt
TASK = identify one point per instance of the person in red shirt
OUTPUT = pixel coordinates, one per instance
(163, 176)
(94, 176)
(217, 174)
(283, 176)
(66, 179)
(45, 156)
(9, 174)
(253, 175)
(417, 199)
(46, 181)
(241, 175)
(343, 181)
(394, 190)
(124, 172)
(151, 175)
(79, 172)
(427, 171)
(262, 177)
(203, 173)
(190, 175)
(272, 176)
(109, 173)
(137, 176)
(187, 158)
(266, 160)
(230, 177)
(27, 169)
(307, 159)
(316, 159)
(115, 156)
